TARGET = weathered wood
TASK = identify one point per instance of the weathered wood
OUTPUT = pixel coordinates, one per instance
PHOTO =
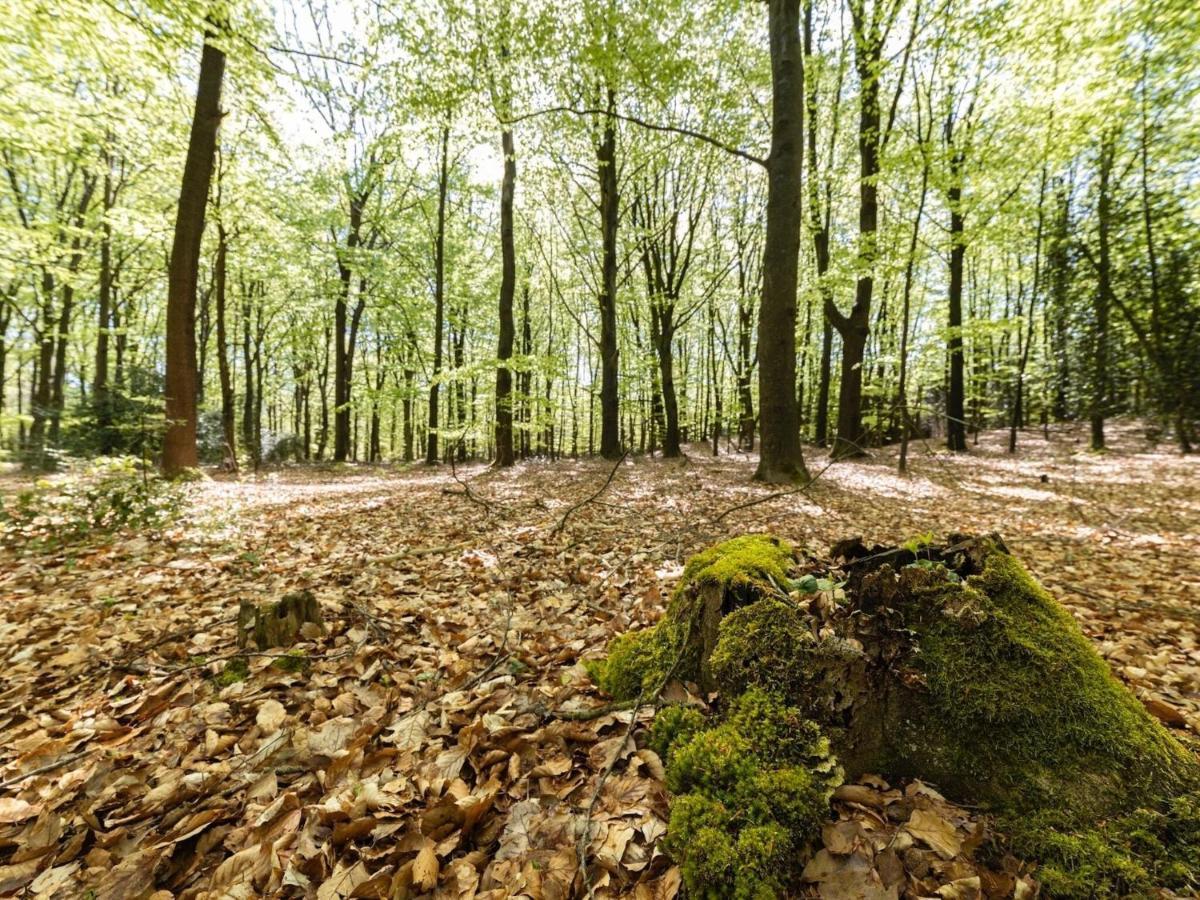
(278, 624)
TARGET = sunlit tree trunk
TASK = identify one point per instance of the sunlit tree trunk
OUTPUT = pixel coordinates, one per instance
(781, 459)
(179, 442)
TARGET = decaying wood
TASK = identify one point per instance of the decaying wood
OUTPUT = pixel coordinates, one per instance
(279, 624)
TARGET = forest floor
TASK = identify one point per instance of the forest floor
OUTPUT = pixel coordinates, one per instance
(430, 743)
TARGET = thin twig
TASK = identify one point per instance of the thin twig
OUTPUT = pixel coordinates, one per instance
(562, 523)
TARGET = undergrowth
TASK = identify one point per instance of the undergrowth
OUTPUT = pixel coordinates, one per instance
(96, 499)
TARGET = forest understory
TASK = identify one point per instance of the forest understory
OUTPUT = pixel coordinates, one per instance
(442, 738)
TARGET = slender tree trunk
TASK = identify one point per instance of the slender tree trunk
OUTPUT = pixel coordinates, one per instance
(228, 401)
(956, 424)
(1100, 375)
(439, 300)
(664, 336)
(854, 329)
(101, 398)
(909, 266)
(508, 283)
(179, 443)
(57, 399)
(343, 359)
(606, 159)
(1018, 404)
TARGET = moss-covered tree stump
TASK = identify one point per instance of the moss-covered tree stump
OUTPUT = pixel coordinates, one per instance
(279, 623)
(948, 663)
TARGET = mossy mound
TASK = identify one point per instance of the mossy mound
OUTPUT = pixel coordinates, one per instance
(715, 582)
(1134, 855)
(948, 663)
(749, 794)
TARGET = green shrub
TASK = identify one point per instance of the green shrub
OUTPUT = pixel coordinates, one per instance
(107, 495)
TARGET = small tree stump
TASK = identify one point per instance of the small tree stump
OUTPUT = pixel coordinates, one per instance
(278, 624)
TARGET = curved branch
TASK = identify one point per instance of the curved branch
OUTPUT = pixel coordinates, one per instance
(641, 123)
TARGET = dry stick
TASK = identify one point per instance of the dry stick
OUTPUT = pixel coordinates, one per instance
(49, 767)
(775, 496)
(562, 523)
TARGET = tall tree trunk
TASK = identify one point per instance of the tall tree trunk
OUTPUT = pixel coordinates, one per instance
(228, 414)
(57, 399)
(956, 424)
(179, 443)
(439, 300)
(909, 267)
(1099, 400)
(1018, 405)
(101, 397)
(819, 225)
(606, 160)
(508, 285)
(343, 358)
(663, 335)
(781, 459)
(855, 328)
(249, 435)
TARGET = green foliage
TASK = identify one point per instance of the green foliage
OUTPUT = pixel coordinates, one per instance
(103, 497)
(750, 794)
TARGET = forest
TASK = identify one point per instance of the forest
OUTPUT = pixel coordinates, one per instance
(617, 449)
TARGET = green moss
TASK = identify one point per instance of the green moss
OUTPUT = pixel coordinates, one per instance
(1025, 715)
(292, 661)
(746, 568)
(751, 566)
(236, 669)
(673, 725)
(750, 793)
(636, 662)
(1129, 856)
(764, 645)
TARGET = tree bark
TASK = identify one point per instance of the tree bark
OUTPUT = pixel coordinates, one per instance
(854, 329)
(956, 424)
(781, 459)
(508, 284)
(439, 301)
(101, 398)
(606, 159)
(179, 442)
(1099, 399)
(228, 415)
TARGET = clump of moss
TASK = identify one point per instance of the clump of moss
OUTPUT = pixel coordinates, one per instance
(672, 726)
(236, 669)
(1022, 713)
(636, 662)
(750, 566)
(1134, 855)
(743, 569)
(750, 793)
(291, 661)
